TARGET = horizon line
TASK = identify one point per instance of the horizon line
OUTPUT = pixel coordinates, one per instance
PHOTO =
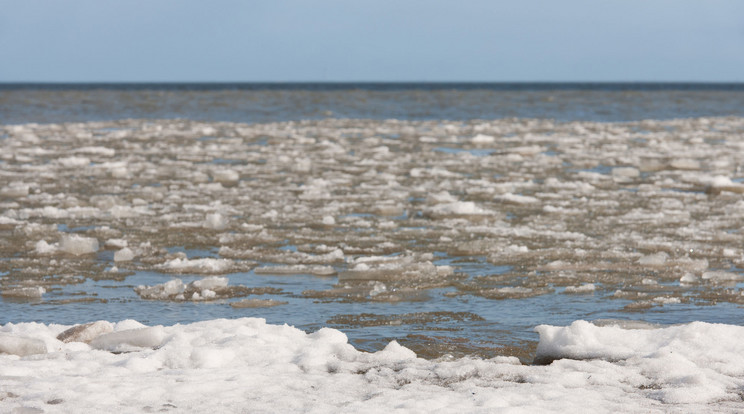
(377, 85)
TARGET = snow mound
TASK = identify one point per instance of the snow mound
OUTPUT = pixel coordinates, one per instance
(130, 339)
(21, 346)
(686, 363)
(86, 332)
(688, 368)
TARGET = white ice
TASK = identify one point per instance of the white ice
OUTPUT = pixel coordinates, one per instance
(77, 245)
(247, 365)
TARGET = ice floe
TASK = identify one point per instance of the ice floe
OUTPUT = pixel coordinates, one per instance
(647, 199)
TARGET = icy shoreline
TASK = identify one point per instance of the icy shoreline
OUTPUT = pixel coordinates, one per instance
(246, 365)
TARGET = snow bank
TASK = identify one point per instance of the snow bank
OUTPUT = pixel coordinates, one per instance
(21, 346)
(130, 339)
(86, 332)
(248, 365)
(692, 363)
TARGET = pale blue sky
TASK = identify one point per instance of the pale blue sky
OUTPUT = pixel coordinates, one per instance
(364, 40)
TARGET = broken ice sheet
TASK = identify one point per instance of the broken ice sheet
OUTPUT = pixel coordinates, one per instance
(381, 204)
(206, 289)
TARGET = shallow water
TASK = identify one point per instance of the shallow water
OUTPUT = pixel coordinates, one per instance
(453, 237)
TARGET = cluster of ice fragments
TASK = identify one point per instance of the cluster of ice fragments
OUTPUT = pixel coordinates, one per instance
(248, 365)
(577, 207)
(210, 288)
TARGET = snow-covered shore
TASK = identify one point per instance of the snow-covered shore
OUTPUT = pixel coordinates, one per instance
(246, 365)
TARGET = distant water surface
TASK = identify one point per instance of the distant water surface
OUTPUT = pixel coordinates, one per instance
(270, 102)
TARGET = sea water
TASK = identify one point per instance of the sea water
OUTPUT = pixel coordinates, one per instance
(471, 227)
(452, 219)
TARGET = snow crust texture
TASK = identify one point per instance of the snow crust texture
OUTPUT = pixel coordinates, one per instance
(246, 365)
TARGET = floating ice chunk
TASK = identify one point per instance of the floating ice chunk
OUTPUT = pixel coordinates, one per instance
(722, 183)
(21, 346)
(78, 245)
(528, 150)
(211, 283)
(654, 260)
(102, 151)
(119, 172)
(585, 288)
(557, 265)
(689, 278)
(204, 289)
(71, 162)
(205, 265)
(226, 177)
(667, 300)
(215, 221)
(257, 303)
(720, 276)
(627, 172)
(86, 332)
(130, 339)
(42, 247)
(165, 290)
(329, 220)
(483, 139)
(4, 220)
(124, 255)
(116, 243)
(14, 190)
(685, 164)
(378, 288)
(514, 290)
(318, 270)
(719, 181)
(441, 197)
(24, 292)
(121, 212)
(458, 208)
(415, 268)
(516, 199)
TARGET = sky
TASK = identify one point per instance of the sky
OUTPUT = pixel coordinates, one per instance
(371, 40)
